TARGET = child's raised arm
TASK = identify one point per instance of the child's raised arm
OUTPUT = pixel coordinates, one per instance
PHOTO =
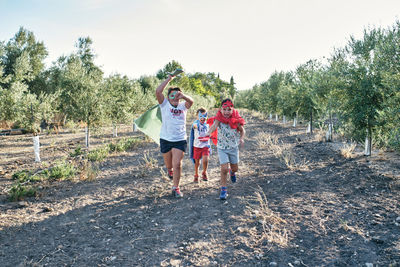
(160, 89)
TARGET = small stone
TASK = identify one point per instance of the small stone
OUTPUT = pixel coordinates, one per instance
(46, 209)
(273, 263)
(175, 262)
(368, 264)
(398, 219)
(296, 262)
(377, 239)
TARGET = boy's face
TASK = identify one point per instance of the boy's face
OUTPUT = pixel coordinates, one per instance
(202, 117)
(226, 111)
(174, 97)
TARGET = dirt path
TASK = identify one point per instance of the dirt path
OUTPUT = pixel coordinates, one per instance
(331, 212)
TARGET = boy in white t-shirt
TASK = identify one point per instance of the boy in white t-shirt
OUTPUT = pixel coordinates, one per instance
(173, 130)
(201, 144)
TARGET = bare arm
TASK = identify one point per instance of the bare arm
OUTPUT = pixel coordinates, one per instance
(160, 89)
(242, 133)
(213, 127)
(189, 101)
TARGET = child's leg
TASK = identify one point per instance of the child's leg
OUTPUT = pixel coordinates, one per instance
(177, 156)
(205, 164)
(196, 167)
(234, 167)
(168, 160)
(224, 174)
(196, 170)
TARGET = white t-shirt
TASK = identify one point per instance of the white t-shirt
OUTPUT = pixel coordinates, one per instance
(173, 126)
(200, 132)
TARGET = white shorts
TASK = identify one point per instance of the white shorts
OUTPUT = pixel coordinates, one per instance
(228, 156)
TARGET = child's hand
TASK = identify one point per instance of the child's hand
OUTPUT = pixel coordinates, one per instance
(241, 142)
(179, 95)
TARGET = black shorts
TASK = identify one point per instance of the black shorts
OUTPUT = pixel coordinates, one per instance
(166, 146)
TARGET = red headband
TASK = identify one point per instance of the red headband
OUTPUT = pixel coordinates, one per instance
(227, 104)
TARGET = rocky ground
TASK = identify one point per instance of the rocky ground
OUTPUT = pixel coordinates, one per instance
(317, 209)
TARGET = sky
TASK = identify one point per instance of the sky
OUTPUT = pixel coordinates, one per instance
(246, 39)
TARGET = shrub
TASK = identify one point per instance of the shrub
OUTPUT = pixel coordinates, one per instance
(62, 171)
(25, 176)
(77, 152)
(99, 154)
(19, 192)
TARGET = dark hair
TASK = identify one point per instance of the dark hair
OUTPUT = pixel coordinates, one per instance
(202, 110)
(173, 89)
(226, 100)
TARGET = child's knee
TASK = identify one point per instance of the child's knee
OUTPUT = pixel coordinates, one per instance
(224, 169)
(177, 165)
(234, 167)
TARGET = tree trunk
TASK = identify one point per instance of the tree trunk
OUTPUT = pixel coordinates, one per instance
(284, 120)
(276, 117)
(36, 147)
(311, 122)
(64, 119)
(368, 142)
(330, 127)
(270, 116)
(115, 131)
(87, 137)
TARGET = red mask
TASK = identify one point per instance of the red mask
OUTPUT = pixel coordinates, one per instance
(227, 104)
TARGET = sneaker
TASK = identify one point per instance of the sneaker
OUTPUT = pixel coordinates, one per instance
(223, 194)
(196, 178)
(204, 177)
(170, 174)
(176, 192)
(233, 176)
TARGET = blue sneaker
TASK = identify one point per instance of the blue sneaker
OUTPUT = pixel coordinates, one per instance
(223, 194)
(233, 176)
(176, 192)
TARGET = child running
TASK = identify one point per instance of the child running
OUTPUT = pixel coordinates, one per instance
(230, 135)
(173, 130)
(200, 144)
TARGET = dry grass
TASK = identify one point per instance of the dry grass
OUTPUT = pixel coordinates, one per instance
(88, 171)
(149, 162)
(281, 150)
(258, 114)
(266, 140)
(353, 229)
(348, 150)
(320, 135)
(273, 227)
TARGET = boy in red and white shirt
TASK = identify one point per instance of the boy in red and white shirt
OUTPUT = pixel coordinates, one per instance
(201, 144)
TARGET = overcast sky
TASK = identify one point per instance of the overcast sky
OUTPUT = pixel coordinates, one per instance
(246, 39)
